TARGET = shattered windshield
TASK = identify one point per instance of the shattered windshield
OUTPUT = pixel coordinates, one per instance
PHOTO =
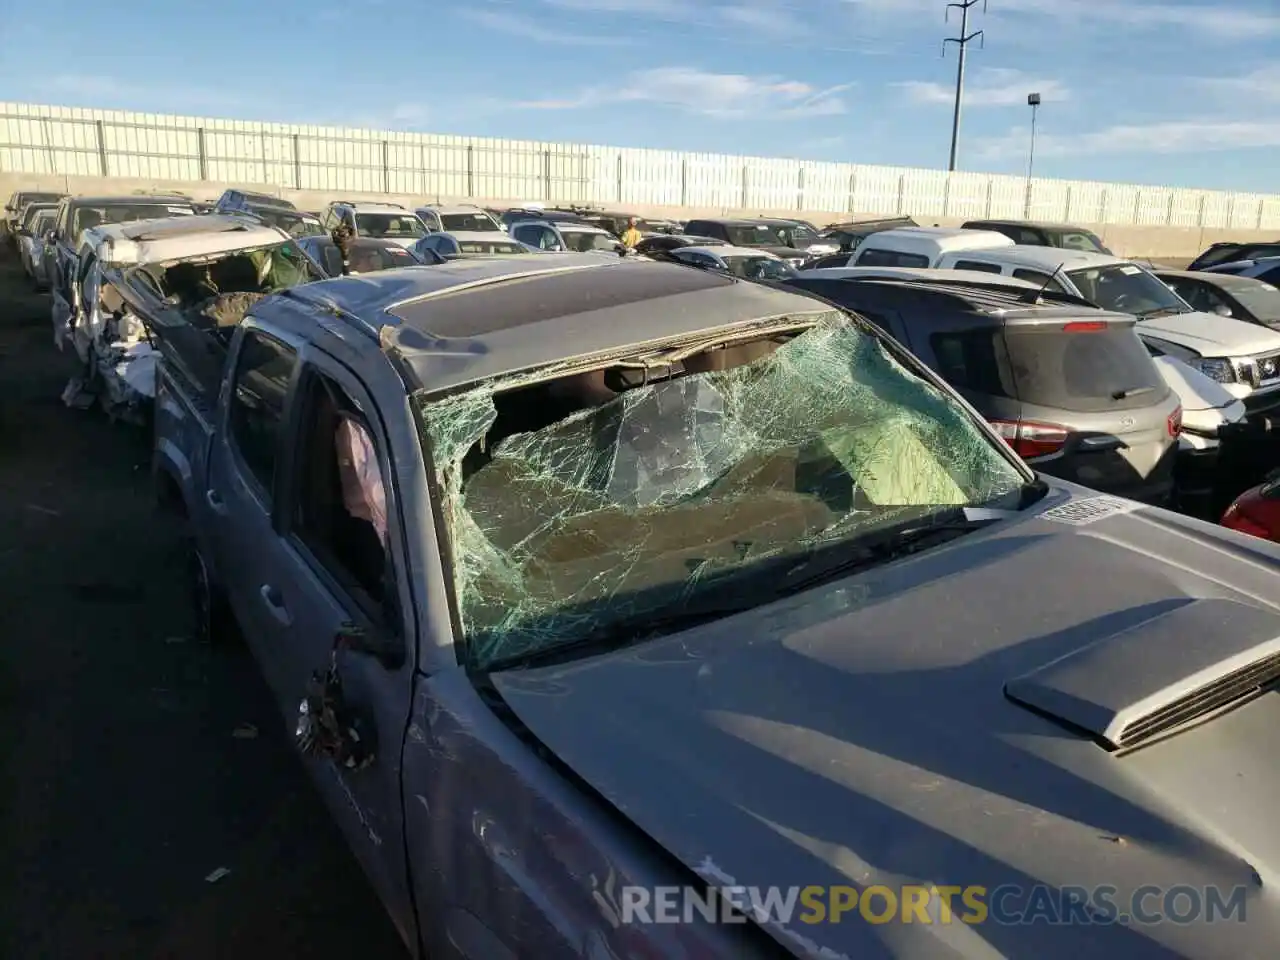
(262, 271)
(569, 518)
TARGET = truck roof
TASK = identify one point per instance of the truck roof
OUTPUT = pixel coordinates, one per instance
(175, 238)
(1004, 304)
(471, 320)
(1047, 259)
(935, 240)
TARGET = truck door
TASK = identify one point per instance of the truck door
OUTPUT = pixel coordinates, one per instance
(335, 568)
(241, 487)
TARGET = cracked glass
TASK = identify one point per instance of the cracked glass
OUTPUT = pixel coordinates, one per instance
(634, 506)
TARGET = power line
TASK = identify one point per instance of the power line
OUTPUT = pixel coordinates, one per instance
(962, 43)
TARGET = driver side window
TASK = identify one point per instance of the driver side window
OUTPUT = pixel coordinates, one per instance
(340, 498)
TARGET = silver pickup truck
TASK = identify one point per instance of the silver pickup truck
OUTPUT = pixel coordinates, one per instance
(626, 610)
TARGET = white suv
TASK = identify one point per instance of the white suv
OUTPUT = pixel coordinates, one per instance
(458, 218)
(382, 221)
(1243, 357)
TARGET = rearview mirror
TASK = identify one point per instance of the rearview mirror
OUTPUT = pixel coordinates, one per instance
(1222, 310)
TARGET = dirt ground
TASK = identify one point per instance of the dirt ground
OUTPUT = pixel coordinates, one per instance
(123, 783)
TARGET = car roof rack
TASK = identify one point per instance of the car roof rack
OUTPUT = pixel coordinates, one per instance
(366, 203)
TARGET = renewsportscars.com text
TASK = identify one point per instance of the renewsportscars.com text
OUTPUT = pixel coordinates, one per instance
(1009, 905)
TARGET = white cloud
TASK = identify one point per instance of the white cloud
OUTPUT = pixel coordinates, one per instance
(98, 89)
(990, 87)
(653, 8)
(533, 30)
(1171, 137)
(765, 17)
(724, 95)
(1260, 84)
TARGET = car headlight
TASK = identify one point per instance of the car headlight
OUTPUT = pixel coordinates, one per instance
(1217, 368)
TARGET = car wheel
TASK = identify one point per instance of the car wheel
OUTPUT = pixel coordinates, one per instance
(212, 620)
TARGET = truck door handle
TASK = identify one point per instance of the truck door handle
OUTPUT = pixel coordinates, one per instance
(215, 501)
(275, 603)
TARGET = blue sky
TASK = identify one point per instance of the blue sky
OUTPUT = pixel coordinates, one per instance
(1144, 91)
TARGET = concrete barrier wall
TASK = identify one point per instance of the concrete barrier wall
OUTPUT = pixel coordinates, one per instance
(1169, 244)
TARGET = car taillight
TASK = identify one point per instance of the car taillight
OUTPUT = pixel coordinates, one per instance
(1031, 439)
(1084, 326)
(1174, 423)
(1234, 519)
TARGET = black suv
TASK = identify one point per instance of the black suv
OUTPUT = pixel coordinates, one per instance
(1033, 233)
(763, 233)
(275, 211)
(1231, 252)
(1070, 387)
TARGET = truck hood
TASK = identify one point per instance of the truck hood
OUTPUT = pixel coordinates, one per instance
(1211, 335)
(870, 732)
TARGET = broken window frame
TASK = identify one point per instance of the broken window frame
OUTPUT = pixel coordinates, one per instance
(444, 461)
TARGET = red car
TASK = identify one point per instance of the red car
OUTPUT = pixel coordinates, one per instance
(1257, 511)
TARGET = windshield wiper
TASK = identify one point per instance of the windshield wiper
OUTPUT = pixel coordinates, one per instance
(1128, 392)
(624, 633)
(880, 548)
(1159, 312)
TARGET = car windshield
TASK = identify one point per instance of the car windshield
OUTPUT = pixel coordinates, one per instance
(582, 504)
(1260, 299)
(292, 223)
(389, 225)
(757, 235)
(489, 247)
(260, 271)
(799, 232)
(1081, 240)
(468, 222)
(1127, 288)
(759, 268)
(94, 216)
(582, 241)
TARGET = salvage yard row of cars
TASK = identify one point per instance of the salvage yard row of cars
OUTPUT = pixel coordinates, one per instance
(576, 575)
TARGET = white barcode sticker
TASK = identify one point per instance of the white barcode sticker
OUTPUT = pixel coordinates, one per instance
(1078, 513)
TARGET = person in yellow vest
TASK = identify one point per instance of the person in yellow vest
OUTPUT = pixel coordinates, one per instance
(632, 235)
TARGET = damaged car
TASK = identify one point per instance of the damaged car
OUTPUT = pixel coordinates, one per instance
(591, 586)
(177, 280)
(75, 215)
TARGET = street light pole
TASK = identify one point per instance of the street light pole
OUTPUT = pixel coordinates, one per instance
(962, 44)
(1033, 101)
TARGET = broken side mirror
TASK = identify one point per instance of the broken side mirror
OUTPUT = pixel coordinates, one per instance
(327, 726)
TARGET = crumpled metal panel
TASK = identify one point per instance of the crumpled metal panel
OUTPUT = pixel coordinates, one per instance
(627, 508)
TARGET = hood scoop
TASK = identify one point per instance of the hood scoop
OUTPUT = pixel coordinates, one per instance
(1178, 667)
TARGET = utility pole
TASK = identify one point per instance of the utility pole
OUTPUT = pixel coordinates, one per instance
(962, 43)
(1033, 101)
